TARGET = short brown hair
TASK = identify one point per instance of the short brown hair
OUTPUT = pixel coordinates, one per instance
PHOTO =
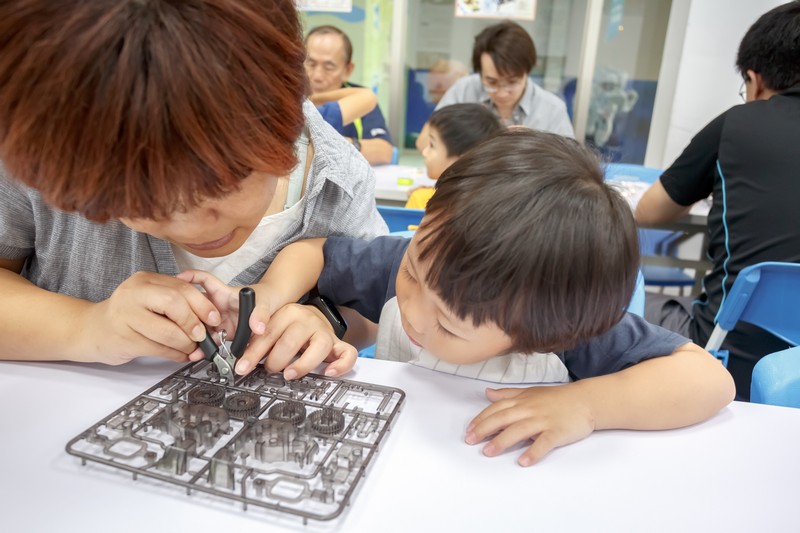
(139, 108)
(327, 29)
(524, 233)
(510, 47)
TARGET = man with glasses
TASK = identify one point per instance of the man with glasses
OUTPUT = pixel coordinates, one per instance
(502, 57)
(748, 158)
(329, 66)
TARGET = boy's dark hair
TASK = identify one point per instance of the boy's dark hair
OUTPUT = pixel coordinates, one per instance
(510, 47)
(327, 29)
(136, 109)
(524, 233)
(462, 126)
(771, 47)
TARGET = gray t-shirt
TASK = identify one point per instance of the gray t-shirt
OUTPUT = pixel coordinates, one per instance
(537, 109)
(361, 275)
(68, 254)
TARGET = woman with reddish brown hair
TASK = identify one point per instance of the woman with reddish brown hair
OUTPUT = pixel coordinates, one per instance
(142, 138)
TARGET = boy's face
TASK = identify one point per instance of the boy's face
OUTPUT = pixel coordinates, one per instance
(216, 227)
(436, 157)
(429, 323)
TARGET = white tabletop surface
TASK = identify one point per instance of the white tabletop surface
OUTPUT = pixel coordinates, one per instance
(393, 182)
(737, 472)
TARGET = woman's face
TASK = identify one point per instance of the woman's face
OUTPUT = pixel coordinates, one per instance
(216, 227)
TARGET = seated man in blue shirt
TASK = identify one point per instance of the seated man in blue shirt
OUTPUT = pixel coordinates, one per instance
(341, 107)
(520, 272)
(329, 66)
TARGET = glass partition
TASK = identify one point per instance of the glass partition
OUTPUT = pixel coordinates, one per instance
(629, 52)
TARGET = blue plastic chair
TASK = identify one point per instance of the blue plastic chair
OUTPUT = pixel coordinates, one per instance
(652, 242)
(766, 295)
(776, 379)
(400, 218)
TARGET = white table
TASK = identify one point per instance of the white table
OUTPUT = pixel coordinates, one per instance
(393, 182)
(736, 472)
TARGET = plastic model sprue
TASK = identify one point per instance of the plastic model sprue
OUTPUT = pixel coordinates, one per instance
(299, 447)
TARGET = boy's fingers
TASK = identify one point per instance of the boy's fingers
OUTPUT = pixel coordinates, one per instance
(543, 445)
(293, 339)
(503, 394)
(259, 318)
(346, 356)
(511, 435)
(252, 355)
(488, 412)
(319, 346)
(493, 424)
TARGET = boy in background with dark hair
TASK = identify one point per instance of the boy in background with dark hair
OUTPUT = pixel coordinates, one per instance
(452, 131)
(502, 59)
(519, 273)
(748, 159)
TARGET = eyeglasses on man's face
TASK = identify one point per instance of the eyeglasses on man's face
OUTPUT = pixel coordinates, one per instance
(492, 86)
(743, 91)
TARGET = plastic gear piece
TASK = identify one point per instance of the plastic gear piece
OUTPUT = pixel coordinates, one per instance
(242, 405)
(292, 412)
(206, 395)
(327, 421)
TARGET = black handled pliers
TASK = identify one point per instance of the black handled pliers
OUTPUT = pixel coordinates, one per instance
(222, 357)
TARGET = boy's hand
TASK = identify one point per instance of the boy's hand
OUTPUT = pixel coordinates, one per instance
(149, 314)
(298, 328)
(553, 416)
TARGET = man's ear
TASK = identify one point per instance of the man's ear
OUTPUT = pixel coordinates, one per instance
(348, 70)
(757, 87)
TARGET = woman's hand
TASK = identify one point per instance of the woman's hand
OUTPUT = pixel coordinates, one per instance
(552, 416)
(149, 314)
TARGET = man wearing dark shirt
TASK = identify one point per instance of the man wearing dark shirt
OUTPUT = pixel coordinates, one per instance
(748, 159)
(329, 66)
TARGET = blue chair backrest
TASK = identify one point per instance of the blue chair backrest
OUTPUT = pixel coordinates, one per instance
(636, 306)
(776, 379)
(767, 295)
(629, 172)
(400, 218)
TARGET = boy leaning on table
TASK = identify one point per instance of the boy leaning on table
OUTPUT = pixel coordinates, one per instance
(520, 272)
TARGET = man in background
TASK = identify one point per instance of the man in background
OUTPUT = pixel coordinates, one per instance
(748, 158)
(329, 66)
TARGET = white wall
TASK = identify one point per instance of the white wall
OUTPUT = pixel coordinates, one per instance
(698, 78)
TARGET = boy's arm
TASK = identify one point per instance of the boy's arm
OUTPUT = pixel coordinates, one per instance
(292, 274)
(683, 388)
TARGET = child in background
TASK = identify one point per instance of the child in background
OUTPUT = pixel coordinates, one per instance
(520, 273)
(342, 107)
(452, 131)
